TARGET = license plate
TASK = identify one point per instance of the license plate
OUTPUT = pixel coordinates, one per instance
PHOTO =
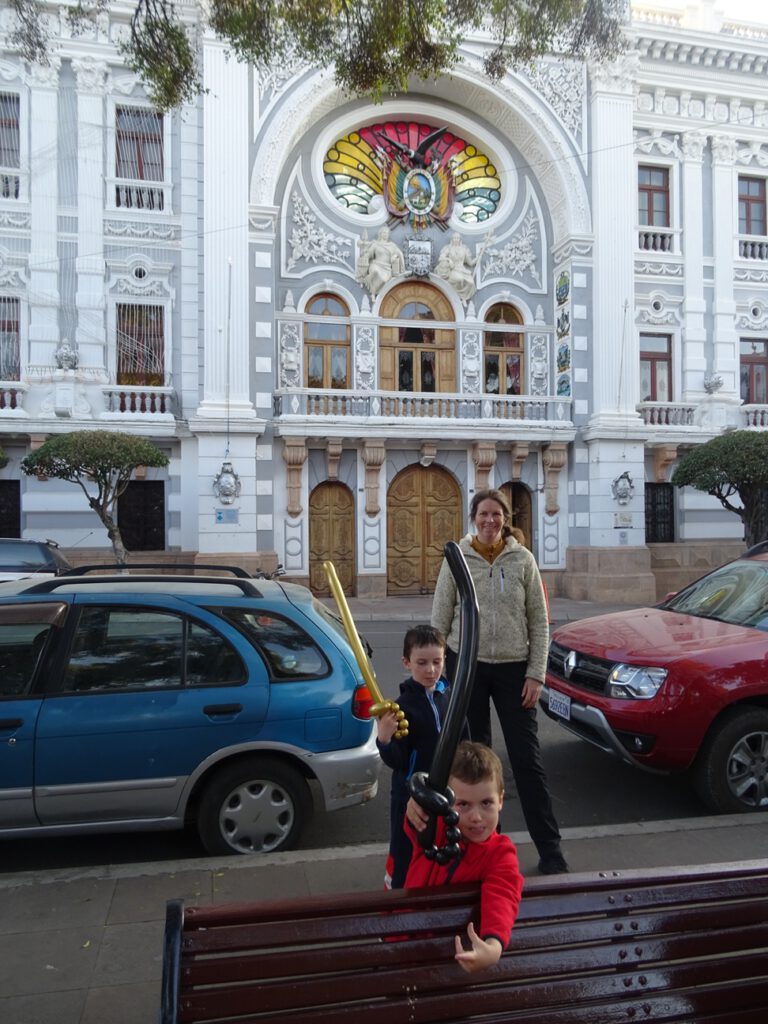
(560, 704)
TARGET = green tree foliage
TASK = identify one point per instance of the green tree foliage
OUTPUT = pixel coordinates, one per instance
(374, 46)
(3, 458)
(733, 464)
(98, 459)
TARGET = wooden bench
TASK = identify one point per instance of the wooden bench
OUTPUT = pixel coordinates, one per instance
(672, 944)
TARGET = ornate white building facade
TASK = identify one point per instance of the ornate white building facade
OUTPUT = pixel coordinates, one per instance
(553, 284)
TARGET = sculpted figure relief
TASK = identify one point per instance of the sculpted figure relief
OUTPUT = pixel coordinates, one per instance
(456, 265)
(378, 262)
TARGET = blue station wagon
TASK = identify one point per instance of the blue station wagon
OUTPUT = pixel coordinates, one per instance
(133, 702)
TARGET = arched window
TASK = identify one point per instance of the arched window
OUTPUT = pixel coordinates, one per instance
(326, 343)
(503, 352)
(415, 356)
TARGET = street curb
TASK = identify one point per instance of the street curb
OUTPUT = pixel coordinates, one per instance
(358, 852)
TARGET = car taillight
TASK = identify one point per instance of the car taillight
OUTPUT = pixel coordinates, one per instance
(362, 702)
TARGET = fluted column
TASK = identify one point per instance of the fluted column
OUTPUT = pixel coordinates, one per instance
(91, 331)
(694, 362)
(726, 353)
(44, 296)
(226, 373)
(614, 203)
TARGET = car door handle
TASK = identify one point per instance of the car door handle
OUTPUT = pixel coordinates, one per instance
(222, 709)
(11, 723)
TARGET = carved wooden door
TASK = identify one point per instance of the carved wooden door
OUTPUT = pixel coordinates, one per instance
(423, 513)
(141, 515)
(331, 537)
(519, 498)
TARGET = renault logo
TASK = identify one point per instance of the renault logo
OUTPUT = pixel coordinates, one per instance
(569, 664)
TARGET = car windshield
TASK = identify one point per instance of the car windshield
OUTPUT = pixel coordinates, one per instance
(736, 593)
(19, 555)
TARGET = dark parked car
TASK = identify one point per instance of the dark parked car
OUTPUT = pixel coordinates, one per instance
(682, 686)
(20, 558)
(152, 701)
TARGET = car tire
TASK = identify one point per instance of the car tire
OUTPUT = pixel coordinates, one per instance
(731, 771)
(254, 806)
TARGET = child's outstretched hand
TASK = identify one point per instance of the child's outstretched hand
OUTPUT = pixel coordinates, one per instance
(386, 727)
(483, 954)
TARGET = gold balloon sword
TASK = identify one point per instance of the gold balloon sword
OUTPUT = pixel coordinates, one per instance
(381, 706)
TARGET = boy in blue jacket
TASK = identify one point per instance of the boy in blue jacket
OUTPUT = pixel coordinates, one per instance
(424, 699)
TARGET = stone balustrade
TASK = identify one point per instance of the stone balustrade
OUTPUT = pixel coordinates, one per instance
(123, 402)
(667, 414)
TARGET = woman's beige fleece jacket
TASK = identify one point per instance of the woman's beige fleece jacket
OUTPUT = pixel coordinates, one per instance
(514, 625)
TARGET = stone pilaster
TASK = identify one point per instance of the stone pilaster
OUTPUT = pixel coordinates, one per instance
(90, 76)
(554, 456)
(694, 363)
(294, 456)
(724, 230)
(44, 298)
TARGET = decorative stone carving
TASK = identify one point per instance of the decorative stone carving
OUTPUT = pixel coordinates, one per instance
(517, 257)
(724, 149)
(45, 76)
(290, 355)
(660, 269)
(332, 457)
(756, 318)
(562, 85)
(274, 80)
(539, 364)
(693, 145)
(418, 256)
(484, 458)
(618, 76)
(365, 358)
(374, 454)
(456, 266)
(553, 458)
(226, 484)
(657, 142)
(663, 457)
(471, 352)
(310, 243)
(134, 229)
(712, 383)
(91, 75)
(294, 457)
(623, 489)
(518, 452)
(427, 454)
(378, 261)
(755, 152)
(12, 271)
(65, 356)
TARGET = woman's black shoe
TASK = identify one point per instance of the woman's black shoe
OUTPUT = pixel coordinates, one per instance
(553, 864)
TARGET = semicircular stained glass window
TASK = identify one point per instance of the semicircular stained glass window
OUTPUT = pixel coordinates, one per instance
(419, 172)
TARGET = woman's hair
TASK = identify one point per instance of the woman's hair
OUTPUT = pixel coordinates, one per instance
(474, 762)
(501, 499)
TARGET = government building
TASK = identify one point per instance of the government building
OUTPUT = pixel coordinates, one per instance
(340, 319)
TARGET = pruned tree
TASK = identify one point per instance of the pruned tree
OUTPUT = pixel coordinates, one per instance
(735, 464)
(374, 46)
(100, 459)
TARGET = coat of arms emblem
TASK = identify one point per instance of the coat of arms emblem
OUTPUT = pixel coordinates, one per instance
(418, 256)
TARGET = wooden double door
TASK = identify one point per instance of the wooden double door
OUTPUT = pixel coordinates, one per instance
(331, 537)
(423, 513)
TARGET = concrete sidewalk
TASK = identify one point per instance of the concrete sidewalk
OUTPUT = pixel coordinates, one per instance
(85, 946)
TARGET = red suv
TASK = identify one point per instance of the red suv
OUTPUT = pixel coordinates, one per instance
(680, 686)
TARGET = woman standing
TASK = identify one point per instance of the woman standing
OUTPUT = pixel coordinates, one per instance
(512, 656)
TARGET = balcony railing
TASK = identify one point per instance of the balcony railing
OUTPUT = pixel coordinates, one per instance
(654, 239)
(302, 403)
(755, 415)
(12, 397)
(667, 414)
(753, 248)
(10, 184)
(123, 402)
(140, 195)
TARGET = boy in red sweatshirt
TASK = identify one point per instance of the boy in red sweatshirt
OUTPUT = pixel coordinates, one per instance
(486, 856)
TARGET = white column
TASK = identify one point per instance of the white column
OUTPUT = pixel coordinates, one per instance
(43, 202)
(694, 363)
(726, 357)
(91, 329)
(615, 354)
(225, 239)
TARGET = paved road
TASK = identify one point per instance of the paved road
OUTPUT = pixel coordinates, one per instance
(588, 788)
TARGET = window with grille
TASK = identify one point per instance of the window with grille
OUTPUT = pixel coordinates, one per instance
(752, 206)
(326, 344)
(10, 143)
(754, 371)
(659, 514)
(10, 365)
(655, 368)
(503, 352)
(140, 345)
(138, 158)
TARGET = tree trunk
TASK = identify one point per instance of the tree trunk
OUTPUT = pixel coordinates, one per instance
(113, 532)
(756, 515)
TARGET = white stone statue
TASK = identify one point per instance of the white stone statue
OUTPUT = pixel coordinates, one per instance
(65, 356)
(378, 261)
(456, 265)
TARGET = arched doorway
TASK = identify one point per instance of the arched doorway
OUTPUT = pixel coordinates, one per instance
(423, 513)
(331, 536)
(519, 498)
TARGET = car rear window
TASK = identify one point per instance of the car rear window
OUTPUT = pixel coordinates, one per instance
(736, 593)
(288, 651)
(23, 555)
